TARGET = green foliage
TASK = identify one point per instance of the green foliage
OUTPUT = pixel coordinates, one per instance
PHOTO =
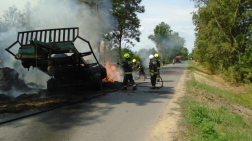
(198, 114)
(208, 130)
(168, 43)
(127, 23)
(223, 37)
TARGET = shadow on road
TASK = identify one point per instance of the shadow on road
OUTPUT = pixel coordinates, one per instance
(90, 112)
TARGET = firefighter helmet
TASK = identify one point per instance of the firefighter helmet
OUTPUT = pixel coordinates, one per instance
(156, 55)
(134, 60)
(151, 56)
(126, 55)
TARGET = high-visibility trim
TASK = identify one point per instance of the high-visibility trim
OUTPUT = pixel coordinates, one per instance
(125, 86)
(153, 86)
(152, 70)
(158, 68)
(128, 72)
(129, 62)
(155, 63)
(155, 72)
(134, 85)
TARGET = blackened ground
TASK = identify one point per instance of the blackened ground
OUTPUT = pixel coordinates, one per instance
(43, 100)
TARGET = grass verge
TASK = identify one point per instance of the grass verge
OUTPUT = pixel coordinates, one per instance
(204, 121)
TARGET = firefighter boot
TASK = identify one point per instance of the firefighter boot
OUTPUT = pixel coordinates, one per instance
(153, 87)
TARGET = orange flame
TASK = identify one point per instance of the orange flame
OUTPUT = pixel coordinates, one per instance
(112, 73)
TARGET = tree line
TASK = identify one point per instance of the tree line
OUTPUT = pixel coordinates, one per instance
(121, 28)
(223, 37)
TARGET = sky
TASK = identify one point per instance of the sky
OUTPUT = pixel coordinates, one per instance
(176, 13)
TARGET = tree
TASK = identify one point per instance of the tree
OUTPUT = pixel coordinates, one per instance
(127, 22)
(161, 34)
(13, 18)
(168, 43)
(223, 36)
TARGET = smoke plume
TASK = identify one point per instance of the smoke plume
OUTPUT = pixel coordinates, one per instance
(54, 14)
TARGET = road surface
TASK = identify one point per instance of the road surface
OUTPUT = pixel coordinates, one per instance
(117, 116)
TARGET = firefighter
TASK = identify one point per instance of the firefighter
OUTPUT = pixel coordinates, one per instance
(140, 69)
(158, 66)
(153, 70)
(127, 65)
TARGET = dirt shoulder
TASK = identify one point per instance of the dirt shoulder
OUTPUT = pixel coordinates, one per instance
(167, 127)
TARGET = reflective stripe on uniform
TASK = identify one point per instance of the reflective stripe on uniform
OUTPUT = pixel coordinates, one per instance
(134, 85)
(155, 72)
(153, 86)
(158, 68)
(128, 72)
(125, 86)
(155, 63)
(152, 70)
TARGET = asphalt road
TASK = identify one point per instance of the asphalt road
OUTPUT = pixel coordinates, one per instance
(117, 116)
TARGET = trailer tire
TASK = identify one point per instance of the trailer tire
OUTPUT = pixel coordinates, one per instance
(97, 81)
(51, 85)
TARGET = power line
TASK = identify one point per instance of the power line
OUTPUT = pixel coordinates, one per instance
(146, 44)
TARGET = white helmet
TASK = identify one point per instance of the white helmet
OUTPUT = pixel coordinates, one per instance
(151, 56)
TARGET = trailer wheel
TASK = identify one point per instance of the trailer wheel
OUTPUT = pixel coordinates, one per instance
(51, 85)
(97, 81)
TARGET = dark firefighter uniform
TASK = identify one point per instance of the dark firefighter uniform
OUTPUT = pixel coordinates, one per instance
(153, 71)
(158, 66)
(139, 67)
(127, 65)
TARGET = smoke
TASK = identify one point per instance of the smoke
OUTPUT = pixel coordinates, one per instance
(55, 14)
(144, 56)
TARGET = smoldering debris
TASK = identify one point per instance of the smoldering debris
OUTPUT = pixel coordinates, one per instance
(9, 80)
(4, 97)
(43, 100)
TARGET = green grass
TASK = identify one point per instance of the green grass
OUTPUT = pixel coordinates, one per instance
(206, 122)
(242, 99)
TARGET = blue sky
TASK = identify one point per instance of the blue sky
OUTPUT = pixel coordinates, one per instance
(175, 13)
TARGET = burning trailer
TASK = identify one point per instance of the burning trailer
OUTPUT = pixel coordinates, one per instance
(49, 50)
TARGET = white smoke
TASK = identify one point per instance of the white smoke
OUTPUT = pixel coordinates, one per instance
(54, 14)
(144, 56)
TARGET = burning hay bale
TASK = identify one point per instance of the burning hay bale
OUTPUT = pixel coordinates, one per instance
(113, 73)
(9, 80)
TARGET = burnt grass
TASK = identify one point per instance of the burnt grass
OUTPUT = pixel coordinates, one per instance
(43, 100)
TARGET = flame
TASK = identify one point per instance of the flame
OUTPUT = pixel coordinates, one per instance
(112, 73)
